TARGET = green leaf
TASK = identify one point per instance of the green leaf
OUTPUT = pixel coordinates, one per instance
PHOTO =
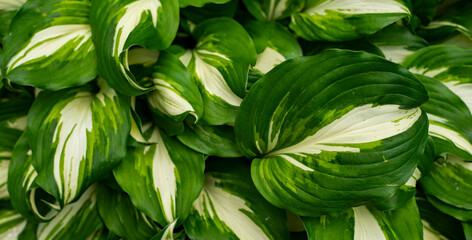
(449, 187)
(11, 224)
(397, 42)
(342, 20)
(210, 10)
(103, 234)
(50, 45)
(313, 122)
(450, 121)
(230, 207)
(200, 3)
(211, 140)
(425, 9)
(175, 94)
(270, 10)
(77, 220)
(117, 25)
(77, 136)
(31, 201)
(467, 229)
(167, 233)
(162, 179)
(274, 44)
(219, 64)
(437, 225)
(4, 164)
(366, 222)
(121, 216)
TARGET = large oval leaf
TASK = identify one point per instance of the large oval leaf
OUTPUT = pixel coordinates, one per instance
(220, 64)
(368, 223)
(229, 207)
(314, 122)
(117, 25)
(77, 137)
(50, 45)
(162, 179)
(342, 20)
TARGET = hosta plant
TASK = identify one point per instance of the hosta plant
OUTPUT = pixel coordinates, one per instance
(227, 119)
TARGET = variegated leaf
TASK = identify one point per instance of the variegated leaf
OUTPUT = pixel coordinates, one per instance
(448, 187)
(4, 164)
(167, 233)
(121, 216)
(175, 94)
(11, 224)
(397, 42)
(342, 20)
(77, 136)
(50, 45)
(30, 200)
(210, 140)
(117, 25)
(436, 224)
(270, 10)
(366, 222)
(162, 179)
(274, 44)
(220, 64)
(10, 5)
(313, 122)
(450, 120)
(230, 207)
(77, 220)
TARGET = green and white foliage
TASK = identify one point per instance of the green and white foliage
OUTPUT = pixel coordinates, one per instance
(313, 122)
(11, 224)
(77, 220)
(448, 187)
(217, 141)
(162, 179)
(199, 3)
(436, 224)
(270, 10)
(117, 25)
(274, 44)
(26, 197)
(450, 121)
(397, 42)
(175, 94)
(230, 207)
(365, 222)
(121, 216)
(219, 64)
(194, 15)
(10, 5)
(343, 20)
(77, 136)
(50, 45)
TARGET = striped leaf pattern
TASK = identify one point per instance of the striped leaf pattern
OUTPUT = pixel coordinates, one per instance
(342, 20)
(270, 10)
(47, 37)
(117, 25)
(163, 178)
(70, 152)
(230, 207)
(310, 130)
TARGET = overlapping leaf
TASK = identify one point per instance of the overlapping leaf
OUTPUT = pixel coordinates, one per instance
(368, 223)
(77, 136)
(270, 10)
(11, 224)
(117, 25)
(274, 44)
(162, 179)
(50, 45)
(343, 20)
(314, 122)
(219, 64)
(229, 207)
